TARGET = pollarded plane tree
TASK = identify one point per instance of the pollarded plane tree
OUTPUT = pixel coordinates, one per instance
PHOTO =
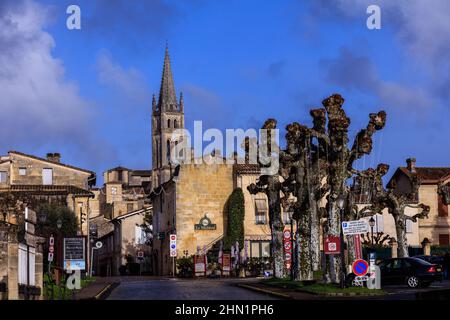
(341, 162)
(303, 168)
(395, 202)
(270, 184)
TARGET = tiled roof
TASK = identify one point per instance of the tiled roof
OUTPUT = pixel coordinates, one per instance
(47, 190)
(429, 174)
(247, 168)
(52, 162)
(143, 173)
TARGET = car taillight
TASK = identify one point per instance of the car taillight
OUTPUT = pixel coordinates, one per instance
(431, 269)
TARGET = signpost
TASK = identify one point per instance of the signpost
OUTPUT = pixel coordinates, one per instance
(350, 228)
(74, 254)
(51, 249)
(358, 248)
(173, 250)
(332, 245)
(287, 248)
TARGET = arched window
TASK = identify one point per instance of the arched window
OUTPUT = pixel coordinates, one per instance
(175, 124)
(168, 149)
(168, 123)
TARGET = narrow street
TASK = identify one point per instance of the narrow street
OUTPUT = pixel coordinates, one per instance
(180, 289)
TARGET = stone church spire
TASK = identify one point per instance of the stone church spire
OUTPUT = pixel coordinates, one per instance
(167, 97)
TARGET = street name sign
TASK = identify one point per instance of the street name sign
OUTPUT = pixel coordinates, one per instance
(350, 228)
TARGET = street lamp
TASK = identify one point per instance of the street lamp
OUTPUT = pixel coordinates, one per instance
(42, 218)
(59, 223)
(340, 204)
(372, 224)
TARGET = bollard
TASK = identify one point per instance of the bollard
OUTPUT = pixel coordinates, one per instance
(374, 280)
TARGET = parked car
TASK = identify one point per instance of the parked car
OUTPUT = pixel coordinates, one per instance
(413, 272)
(432, 259)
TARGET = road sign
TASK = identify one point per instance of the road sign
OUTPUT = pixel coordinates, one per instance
(98, 244)
(360, 267)
(287, 248)
(173, 245)
(140, 254)
(51, 248)
(332, 245)
(350, 228)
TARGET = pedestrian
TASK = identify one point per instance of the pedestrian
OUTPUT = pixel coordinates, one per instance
(446, 265)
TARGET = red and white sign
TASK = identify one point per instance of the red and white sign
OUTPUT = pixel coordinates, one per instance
(358, 248)
(226, 263)
(287, 248)
(332, 245)
(51, 248)
(200, 265)
(140, 254)
(360, 267)
(173, 245)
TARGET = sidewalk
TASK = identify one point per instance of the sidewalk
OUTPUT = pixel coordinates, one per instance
(98, 290)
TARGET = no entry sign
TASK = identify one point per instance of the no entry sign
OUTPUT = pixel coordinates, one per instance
(360, 267)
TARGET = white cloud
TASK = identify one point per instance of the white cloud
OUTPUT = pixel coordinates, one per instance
(37, 102)
(129, 82)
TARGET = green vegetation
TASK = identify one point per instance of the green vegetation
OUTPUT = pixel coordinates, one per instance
(319, 288)
(54, 212)
(53, 291)
(236, 213)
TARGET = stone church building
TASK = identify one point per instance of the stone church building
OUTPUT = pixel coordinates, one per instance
(189, 199)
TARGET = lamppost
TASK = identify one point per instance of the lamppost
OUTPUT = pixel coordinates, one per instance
(340, 204)
(372, 224)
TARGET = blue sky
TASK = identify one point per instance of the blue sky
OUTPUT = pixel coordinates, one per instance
(87, 93)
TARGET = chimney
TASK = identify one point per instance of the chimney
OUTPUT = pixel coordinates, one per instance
(54, 157)
(411, 164)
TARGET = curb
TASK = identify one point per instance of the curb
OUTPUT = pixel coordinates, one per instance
(106, 291)
(276, 294)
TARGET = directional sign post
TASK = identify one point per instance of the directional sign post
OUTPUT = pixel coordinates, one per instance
(360, 267)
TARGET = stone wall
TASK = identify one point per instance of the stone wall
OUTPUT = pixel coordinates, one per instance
(434, 225)
(62, 175)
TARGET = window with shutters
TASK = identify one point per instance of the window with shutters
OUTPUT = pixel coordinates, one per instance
(3, 176)
(442, 207)
(47, 176)
(379, 224)
(260, 211)
(409, 226)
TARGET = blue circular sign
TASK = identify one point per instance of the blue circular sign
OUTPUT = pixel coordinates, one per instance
(360, 267)
(172, 246)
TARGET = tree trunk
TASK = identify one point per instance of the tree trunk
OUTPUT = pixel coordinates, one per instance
(400, 229)
(304, 259)
(277, 252)
(315, 235)
(333, 271)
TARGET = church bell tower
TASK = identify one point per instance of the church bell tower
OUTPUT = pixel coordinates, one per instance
(167, 116)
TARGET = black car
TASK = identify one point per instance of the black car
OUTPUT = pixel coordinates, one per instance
(411, 271)
(432, 259)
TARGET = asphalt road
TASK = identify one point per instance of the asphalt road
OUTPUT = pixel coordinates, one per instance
(180, 289)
